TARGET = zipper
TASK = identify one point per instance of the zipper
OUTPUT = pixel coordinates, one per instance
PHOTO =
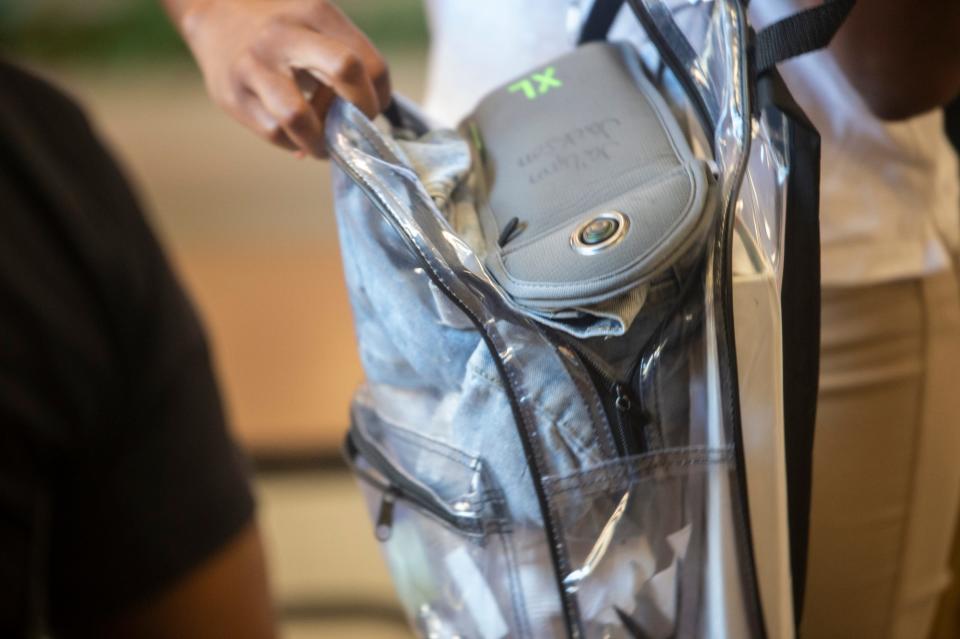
(399, 486)
(621, 414)
(627, 425)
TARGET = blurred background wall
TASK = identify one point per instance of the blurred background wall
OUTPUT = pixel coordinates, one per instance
(251, 232)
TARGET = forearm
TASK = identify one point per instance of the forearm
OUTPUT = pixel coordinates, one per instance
(902, 56)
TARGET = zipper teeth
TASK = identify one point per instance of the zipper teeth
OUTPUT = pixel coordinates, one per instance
(568, 601)
(621, 389)
(621, 412)
(602, 370)
(590, 360)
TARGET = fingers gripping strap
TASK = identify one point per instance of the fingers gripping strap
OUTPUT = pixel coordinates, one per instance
(800, 33)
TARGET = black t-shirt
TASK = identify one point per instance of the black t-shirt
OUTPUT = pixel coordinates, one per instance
(117, 475)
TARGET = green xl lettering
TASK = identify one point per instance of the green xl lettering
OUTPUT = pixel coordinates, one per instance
(526, 86)
(545, 81)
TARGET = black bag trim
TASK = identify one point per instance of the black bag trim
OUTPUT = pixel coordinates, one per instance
(680, 56)
(677, 52)
(951, 122)
(792, 36)
(800, 304)
(599, 20)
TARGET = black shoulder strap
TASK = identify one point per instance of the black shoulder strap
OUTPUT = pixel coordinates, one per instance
(681, 57)
(799, 33)
(792, 36)
(800, 313)
(800, 290)
(598, 23)
(951, 120)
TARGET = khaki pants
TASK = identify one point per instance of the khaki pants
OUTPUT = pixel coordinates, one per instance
(886, 460)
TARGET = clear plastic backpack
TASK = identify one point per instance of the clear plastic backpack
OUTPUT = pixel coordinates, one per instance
(588, 319)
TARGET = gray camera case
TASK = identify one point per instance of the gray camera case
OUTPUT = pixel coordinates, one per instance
(588, 186)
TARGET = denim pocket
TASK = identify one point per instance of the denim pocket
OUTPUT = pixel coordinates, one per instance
(443, 527)
(638, 535)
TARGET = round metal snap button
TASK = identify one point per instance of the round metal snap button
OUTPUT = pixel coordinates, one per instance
(601, 231)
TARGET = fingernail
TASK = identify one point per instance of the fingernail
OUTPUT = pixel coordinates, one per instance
(300, 154)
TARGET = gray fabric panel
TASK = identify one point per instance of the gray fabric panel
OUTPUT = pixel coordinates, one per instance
(602, 140)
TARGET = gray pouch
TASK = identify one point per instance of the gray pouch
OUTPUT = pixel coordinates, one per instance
(588, 186)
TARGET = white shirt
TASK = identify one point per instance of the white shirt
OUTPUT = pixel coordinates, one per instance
(890, 192)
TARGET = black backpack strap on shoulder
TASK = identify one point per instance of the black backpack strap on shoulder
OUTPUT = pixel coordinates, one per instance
(598, 23)
(951, 121)
(799, 33)
(800, 290)
(800, 313)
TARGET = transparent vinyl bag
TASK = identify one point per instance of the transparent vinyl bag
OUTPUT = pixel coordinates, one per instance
(526, 482)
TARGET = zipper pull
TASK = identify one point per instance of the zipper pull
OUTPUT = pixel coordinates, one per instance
(623, 399)
(385, 518)
(714, 169)
(622, 404)
(633, 430)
